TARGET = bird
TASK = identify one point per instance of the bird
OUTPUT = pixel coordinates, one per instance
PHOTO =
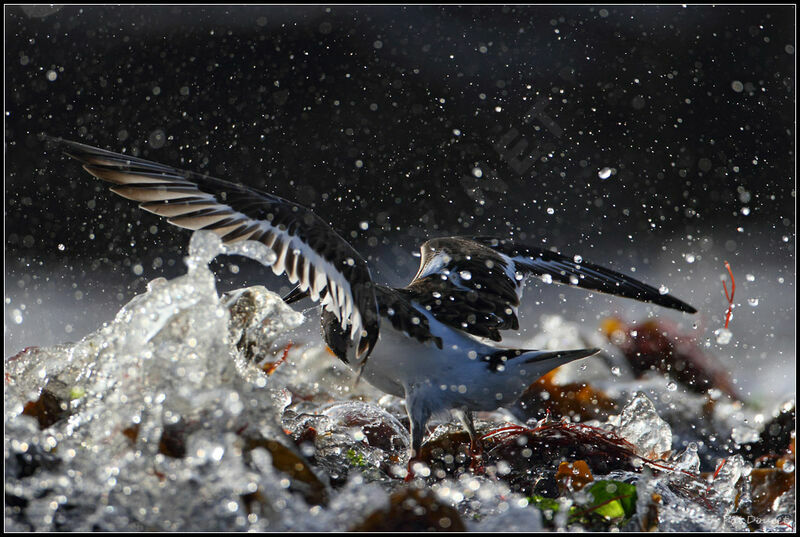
(435, 343)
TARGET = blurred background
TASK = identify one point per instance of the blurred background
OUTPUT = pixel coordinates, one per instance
(658, 141)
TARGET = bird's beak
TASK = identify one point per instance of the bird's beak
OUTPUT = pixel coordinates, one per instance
(295, 295)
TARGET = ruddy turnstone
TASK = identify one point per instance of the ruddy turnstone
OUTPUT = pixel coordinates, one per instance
(436, 335)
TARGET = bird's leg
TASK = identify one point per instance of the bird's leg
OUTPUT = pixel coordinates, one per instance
(417, 418)
(412, 460)
(475, 445)
(416, 446)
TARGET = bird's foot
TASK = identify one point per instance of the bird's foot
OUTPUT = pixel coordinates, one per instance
(476, 458)
(416, 468)
(409, 475)
(476, 464)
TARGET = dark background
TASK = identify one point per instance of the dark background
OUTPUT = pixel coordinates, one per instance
(289, 98)
(380, 116)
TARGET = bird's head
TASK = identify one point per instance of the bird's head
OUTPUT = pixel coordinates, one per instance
(336, 338)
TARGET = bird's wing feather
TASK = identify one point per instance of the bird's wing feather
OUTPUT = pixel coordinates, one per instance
(475, 283)
(307, 249)
(405, 316)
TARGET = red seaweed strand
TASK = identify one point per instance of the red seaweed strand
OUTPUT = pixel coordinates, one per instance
(729, 296)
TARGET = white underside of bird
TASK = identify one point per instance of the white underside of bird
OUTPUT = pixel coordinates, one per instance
(435, 382)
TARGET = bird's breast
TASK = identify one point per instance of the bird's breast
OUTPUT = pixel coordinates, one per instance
(400, 361)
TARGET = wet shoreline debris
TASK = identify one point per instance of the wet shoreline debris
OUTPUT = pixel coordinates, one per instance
(191, 411)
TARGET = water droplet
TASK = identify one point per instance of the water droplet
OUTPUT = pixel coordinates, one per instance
(723, 336)
(465, 275)
(672, 386)
(157, 139)
(605, 173)
(615, 371)
(753, 302)
(663, 290)
(550, 210)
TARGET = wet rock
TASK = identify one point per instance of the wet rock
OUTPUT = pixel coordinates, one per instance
(658, 345)
(257, 318)
(446, 451)
(776, 439)
(352, 435)
(766, 486)
(648, 519)
(294, 465)
(131, 433)
(533, 455)
(173, 440)
(578, 401)
(48, 409)
(573, 476)
(22, 464)
(412, 509)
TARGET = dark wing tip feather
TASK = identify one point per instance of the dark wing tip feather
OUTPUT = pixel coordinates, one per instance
(669, 301)
(590, 276)
(629, 287)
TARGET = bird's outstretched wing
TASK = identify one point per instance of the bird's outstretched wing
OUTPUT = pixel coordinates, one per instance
(475, 283)
(310, 253)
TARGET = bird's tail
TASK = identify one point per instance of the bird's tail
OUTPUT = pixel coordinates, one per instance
(513, 370)
(516, 369)
(543, 361)
(539, 363)
(556, 357)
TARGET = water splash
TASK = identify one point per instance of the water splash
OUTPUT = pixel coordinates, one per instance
(168, 419)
